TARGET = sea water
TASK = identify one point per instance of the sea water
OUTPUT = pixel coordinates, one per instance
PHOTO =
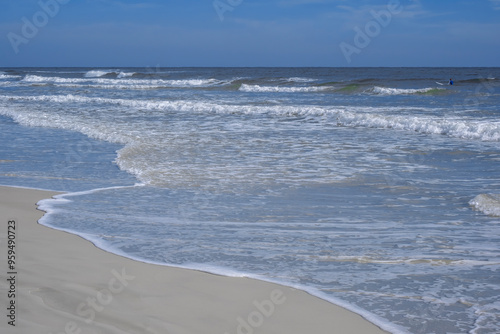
(377, 189)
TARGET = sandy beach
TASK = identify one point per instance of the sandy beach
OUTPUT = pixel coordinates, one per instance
(61, 283)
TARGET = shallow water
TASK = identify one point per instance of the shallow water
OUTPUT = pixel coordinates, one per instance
(358, 185)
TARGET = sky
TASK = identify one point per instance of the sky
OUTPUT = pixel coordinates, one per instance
(331, 33)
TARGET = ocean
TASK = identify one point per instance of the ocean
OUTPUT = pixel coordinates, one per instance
(377, 189)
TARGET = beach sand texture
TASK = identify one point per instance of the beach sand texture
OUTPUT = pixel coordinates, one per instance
(64, 284)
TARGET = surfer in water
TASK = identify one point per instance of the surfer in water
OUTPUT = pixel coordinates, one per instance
(451, 82)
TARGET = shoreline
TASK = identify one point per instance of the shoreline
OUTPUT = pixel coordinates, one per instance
(64, 284)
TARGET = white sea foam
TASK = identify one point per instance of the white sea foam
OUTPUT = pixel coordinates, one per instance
(7, 76)
(193, 82)
(473, 129)
(345, 116)
(7, 83)
(125, 74)
(38, 79)
(279, 89)
(299, 79)
(487, 316)
(401, 91)
(97, 73)
(487, 203)
(124, 82)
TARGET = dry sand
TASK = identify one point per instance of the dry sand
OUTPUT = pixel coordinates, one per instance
(64, 284)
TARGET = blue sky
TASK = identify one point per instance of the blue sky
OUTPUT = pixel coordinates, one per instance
(249, 33)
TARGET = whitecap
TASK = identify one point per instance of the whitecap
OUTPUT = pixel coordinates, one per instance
(487, 203)
(125, 74)
(279, 89)
(97, 73)
(299, 79)
(402, 91)
(7, 76)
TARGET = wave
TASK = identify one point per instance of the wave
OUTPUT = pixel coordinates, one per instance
(487, 203)
(111, 79)
(124, 82)
(402, 91)
(109, 73)
(137, 73)
(464, 129)
(351, 116)
(479, 80)
(100, 73)
(37, 78)
(409, 261)
(125, 75)
(279, 89)
(8, 76)
(96, 73)
(299, 79)
(350, 88)
(194, 82)
(133, 80)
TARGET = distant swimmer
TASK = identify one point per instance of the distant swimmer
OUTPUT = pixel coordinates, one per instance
(451, 82)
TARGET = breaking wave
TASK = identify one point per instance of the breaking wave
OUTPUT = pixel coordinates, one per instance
(7, 76)
(102, 73)
(123, 83)
(97, 73)
(351, 116)
(401, 91)
(279, 89)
